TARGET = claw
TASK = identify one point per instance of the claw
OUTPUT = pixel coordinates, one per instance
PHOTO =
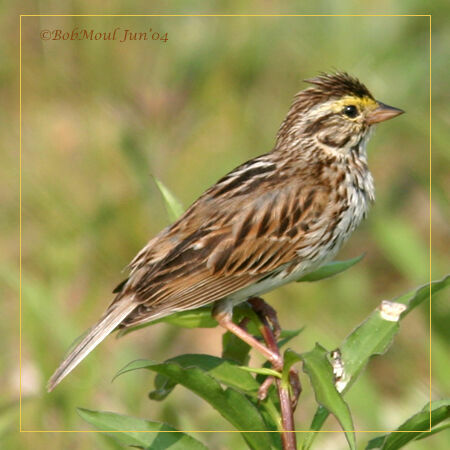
(270, 333)
(264, 309)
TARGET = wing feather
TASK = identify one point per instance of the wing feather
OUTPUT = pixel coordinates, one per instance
(224, 243)
(215, 258)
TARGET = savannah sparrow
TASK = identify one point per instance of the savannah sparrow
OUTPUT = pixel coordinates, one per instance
(268, 222)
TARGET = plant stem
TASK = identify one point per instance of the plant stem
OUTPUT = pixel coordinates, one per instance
(288, 436)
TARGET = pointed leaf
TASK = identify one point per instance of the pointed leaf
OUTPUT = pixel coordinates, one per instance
(174, 207)
(226, 372)
(331, 269)
(163, 387)
(290, 358)
(373, 337)
(140, 433)
(425, 292)
(413, 428)
(235, 349)
(319, 419)
(320, 372)
(262, 371)
(287, 335)
(435, 430)
(198, 372)
(193, 318)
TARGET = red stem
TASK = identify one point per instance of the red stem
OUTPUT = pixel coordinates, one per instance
(288, 436)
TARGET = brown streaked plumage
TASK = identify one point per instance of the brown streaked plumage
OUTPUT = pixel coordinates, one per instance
(268, 222)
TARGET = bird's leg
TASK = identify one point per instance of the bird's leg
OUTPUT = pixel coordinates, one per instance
(222, 312)
(224, 315)
(287, 401)
(271, 342)
(270, 334)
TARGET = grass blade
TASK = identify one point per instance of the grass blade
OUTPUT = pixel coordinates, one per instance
(173, 206)
(331, 269)
(414, 427)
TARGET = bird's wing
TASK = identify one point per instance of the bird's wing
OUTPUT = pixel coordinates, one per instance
(229, 239)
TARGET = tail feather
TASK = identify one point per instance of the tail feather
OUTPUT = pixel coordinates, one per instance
(95, 335)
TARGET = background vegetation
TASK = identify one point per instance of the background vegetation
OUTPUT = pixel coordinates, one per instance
(100, 117)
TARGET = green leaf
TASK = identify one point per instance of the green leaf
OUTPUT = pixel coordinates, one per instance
(202, 318)
(290, 358)
(164, 386)
(193, 318)
(376, 442)
(136, 158)
(235, 349)
(320, 372)
(200, 374)
(319, 419)
(425, 292)
(140, 433)
(435, 430)
(173, 206)
(222, 370)
(262, 371)
(287, 335)
(414, 427)
(331, 269)
(373, 337)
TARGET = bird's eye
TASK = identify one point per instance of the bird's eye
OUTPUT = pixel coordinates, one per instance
(350, 111)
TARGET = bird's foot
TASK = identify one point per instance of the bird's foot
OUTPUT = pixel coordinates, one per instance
(264, 309)
(224, 318)
(270, 330)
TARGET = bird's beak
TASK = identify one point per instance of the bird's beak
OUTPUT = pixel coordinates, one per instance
(382, 112)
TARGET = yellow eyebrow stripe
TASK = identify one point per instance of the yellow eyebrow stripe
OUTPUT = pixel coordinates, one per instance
(361, 103)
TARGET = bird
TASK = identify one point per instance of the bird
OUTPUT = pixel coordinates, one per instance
(270, 221)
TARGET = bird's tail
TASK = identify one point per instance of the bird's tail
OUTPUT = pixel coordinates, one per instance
(111, 319)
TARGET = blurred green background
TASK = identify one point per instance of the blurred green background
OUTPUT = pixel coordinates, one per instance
(99, 117)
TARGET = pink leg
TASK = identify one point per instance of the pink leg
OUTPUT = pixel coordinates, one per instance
(225, 320)
(287, 402)
(272, 353)
(270, 335)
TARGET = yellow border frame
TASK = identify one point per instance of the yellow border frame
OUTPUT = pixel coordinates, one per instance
(20, 214)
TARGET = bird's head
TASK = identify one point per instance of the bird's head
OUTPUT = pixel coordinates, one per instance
(337, 112)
